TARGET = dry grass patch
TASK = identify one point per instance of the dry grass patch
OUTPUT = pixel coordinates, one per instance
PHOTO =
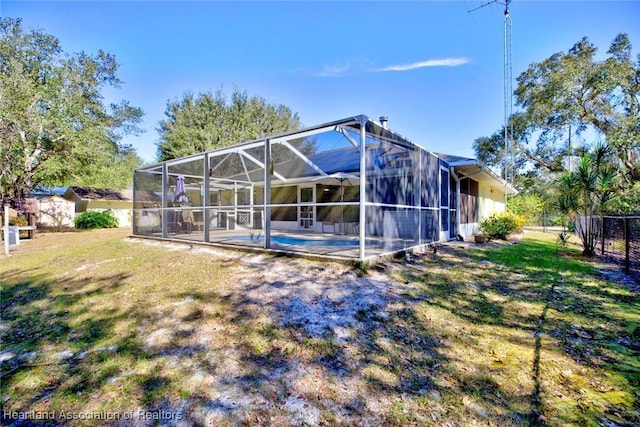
(498, 335)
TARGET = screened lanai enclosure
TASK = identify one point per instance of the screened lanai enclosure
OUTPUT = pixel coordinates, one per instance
(349, 189)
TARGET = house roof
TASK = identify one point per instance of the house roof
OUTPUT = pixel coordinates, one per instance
(147, 196)
(457, 160)
(40, 191)
(89, 193)
(340, 160)
(475, 169)
(44, 197)
(244, 162)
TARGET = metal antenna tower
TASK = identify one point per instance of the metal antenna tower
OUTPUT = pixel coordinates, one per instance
(508, 165)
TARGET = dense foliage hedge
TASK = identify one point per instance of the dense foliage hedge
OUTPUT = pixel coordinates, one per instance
(19, 221)
(96, 219)
(499, 226)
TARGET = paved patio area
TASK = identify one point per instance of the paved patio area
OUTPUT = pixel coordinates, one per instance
(339, 247)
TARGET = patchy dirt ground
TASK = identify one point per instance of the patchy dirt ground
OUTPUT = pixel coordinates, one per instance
(507, 335)
(325, 306)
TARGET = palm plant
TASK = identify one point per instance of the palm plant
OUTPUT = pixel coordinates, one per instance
(584, 193)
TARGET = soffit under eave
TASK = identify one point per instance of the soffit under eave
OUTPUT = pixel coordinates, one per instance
(483, 175)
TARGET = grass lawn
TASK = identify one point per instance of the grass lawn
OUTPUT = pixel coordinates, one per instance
(98, 328)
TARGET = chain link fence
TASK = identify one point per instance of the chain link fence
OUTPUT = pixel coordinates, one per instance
(620, 241)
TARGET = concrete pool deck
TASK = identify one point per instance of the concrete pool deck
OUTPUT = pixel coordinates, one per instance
(292, 243)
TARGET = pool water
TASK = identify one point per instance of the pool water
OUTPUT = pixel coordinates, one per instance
(289, 240)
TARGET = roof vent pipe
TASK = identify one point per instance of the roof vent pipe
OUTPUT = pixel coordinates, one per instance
(383, 121)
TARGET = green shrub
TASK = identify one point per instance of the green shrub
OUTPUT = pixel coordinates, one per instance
(563, 238)
(499, 226)
(18, 221)
(96, 219)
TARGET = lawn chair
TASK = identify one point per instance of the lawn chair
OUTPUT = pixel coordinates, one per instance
(187, 220)
(335, 218)
(243, 221)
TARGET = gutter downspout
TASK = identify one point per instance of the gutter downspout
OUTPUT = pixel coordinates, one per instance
(452, 172)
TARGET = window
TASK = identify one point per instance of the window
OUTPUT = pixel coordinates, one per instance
(282, 196)
(468, 200)
(444, 187)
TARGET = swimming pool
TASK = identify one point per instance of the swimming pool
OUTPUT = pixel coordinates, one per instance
(300, 241)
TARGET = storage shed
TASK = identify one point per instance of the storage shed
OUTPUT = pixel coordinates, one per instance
(54, 211)
(94, 199)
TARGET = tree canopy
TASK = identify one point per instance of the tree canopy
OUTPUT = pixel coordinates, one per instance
(208, 121)
(568, 104)
(55, 128)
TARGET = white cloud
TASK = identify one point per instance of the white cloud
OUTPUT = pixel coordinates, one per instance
(445, 62)
(356, 67)
(333, 70)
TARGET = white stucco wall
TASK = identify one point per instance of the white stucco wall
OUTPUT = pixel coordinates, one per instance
(491, 201)
(54, 211)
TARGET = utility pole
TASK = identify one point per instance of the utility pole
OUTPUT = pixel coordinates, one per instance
(508, 166)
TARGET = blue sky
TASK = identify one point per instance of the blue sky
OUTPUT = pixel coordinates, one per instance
(433, 68)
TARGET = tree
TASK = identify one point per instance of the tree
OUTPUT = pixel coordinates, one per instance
(573, 90)
(111, 169)
(572, 94)
(208, 121)
(528, 206)
(54, 126)
(585, 192)
(490, 150)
